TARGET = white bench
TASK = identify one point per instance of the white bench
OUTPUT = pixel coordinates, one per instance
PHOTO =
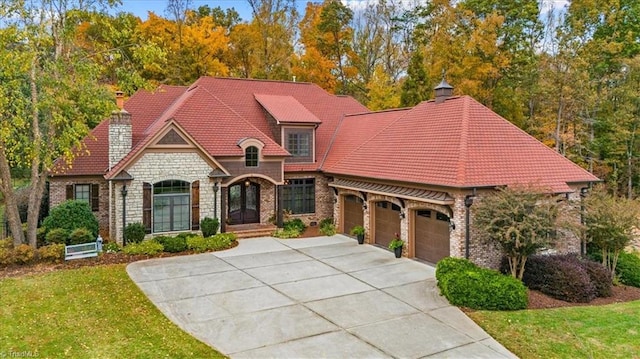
(84, 250)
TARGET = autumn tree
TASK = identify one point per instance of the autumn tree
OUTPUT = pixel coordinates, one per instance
(416, 86)
(610, 224)
(334, 41)
(50, 95)
(519, 220)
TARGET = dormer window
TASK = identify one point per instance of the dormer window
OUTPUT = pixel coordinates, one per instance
(251, 156)
(299, 142)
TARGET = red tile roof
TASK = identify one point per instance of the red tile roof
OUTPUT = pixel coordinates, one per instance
(458, 143)
(285, 109)
(144, 107)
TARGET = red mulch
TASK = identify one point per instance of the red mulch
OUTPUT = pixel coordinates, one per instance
(621, 293)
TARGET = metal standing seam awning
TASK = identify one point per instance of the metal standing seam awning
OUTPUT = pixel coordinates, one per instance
(417, 194)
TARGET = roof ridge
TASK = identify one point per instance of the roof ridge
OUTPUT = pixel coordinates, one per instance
(463, 147)
(258, 80)
(173, 106)
(379, 111)
(333, 138)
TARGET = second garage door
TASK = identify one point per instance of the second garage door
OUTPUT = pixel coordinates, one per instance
(387, 222)
(431, 235)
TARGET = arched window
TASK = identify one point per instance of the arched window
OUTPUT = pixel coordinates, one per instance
(251, 156)
(171, 204)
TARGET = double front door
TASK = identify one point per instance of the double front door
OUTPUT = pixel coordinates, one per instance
(244, 203)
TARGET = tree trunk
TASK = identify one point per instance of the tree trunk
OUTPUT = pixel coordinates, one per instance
(10, 204)
(37, 179)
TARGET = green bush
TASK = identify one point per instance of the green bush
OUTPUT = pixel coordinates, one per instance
(174, 244)
(327, 227)
(41, 238)
(134, 232)
(23, 254)
(197, 244)
(52, 253)
(111, 247)
(209, 226)
(628, 269)
(57, 236)
(80, 236)
(286, 233)
(218, 242)
(71, 215)
(465, 284)
(149, 247)
(296, 224)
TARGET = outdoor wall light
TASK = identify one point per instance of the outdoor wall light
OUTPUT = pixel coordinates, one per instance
(452, 225)
(402, 215)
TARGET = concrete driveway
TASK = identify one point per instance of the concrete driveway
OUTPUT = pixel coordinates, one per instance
(324, 297)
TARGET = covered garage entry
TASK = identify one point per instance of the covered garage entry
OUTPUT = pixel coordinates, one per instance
(353, 213)
(431, 233)
(387, 222)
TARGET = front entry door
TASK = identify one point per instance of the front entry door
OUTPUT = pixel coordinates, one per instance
(244, 203)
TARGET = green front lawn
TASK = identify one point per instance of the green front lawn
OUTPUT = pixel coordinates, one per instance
(611, 331)
(92, 312)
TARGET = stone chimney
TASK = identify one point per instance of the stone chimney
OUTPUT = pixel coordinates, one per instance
(119, 136)
(443, 90)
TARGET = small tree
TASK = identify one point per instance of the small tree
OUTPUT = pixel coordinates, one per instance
(518, 219)
(610, 223)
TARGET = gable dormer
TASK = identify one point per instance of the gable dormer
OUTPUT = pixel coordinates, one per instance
(293, 125)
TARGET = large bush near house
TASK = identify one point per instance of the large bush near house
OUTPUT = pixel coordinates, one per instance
(465, 284)
(173, 244)
(52, 253)
(209, 226)
(80, 236)
(71, 215)
(134, 232)
(567, 277)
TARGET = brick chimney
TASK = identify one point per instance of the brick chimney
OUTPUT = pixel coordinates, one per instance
(119, 136)
(120, 99)
(443, 90)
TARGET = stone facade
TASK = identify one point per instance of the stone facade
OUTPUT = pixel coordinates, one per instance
(324, 197)
(58, 194)
(119, 136)
(155, 167)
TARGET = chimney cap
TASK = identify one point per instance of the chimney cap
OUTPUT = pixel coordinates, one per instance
(443, 85)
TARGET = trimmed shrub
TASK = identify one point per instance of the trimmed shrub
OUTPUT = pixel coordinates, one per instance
(327, 227)
(221, 241)
(111, 247)
(467, 285)
(296, 224)
(149, 247)
(559, 276)
(197, 244)
(80, 236)
(52, 253)
(71, 215)
(600, 277)
(628, 269)
(57, 236)
(23, 254)
(174, 244)
(285, 233)
(6, 256)
(134, 232)
(209, 226)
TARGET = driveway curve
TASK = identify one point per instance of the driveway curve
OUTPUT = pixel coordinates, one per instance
(323, 297)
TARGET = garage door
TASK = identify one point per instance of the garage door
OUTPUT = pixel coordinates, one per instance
(387, 222)
(353, 213)
(431, 235)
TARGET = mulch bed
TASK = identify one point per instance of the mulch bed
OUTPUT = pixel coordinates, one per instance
(537, 300)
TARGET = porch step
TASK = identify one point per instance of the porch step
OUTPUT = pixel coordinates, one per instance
(246, 231)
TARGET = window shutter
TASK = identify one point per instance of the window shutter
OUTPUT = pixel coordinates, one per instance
(195, 205)
(95, 197)
(69, 192)
(146, 206)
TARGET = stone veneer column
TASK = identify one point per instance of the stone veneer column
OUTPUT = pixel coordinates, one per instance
(119, 136)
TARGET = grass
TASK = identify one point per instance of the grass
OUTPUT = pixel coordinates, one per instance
(610, 331)
(92, 312)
